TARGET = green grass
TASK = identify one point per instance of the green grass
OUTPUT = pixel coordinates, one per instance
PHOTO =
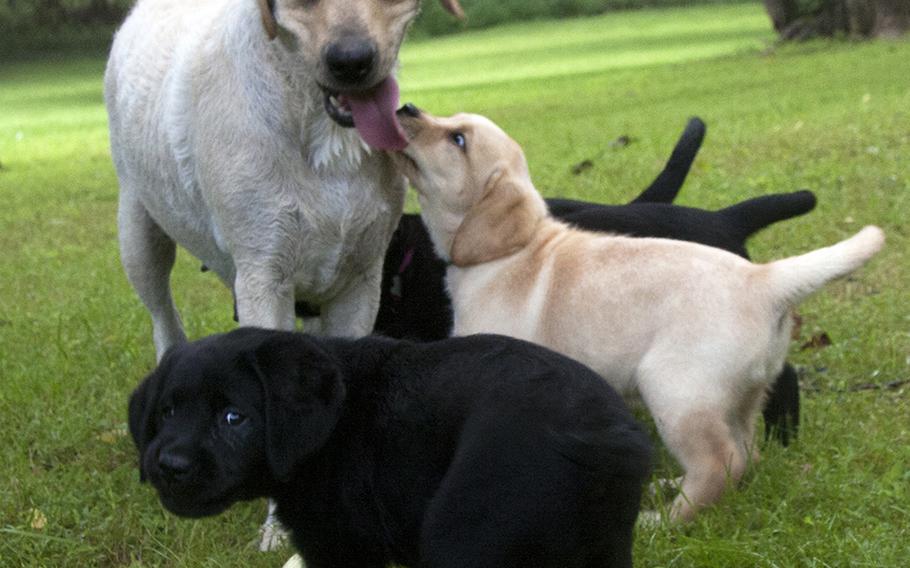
(831, 117)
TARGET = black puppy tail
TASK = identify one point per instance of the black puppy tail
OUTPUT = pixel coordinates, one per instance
(667, 184)
(753, 215)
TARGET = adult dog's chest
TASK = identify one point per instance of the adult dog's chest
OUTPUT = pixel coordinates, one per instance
(338, 224)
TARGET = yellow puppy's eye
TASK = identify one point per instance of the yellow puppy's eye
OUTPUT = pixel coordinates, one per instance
(459, 140)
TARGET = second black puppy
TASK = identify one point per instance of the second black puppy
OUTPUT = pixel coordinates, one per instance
(481, 451)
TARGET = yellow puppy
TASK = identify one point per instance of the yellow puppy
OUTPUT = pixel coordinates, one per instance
(699, 333)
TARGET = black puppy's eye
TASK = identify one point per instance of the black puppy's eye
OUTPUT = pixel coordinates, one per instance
(167, 412)
(459, 140)
(234, 418)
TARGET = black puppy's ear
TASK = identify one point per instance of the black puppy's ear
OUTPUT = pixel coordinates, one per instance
(304, 391)
(143, 404)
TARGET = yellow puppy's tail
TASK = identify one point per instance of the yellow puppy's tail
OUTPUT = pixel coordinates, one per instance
(793, 279)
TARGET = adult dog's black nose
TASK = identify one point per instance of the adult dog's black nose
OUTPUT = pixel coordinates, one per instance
(174, 467)
(409, 110)
(350, 61)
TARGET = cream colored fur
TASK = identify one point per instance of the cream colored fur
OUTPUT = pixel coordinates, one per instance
(222, 145)
(697, 332)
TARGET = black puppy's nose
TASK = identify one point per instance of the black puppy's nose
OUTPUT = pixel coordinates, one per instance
(174, 467)
(410, 110)
(350, 61)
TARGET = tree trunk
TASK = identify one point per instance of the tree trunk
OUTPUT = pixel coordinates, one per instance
(853, 18)
(892, 18)
(50, 12)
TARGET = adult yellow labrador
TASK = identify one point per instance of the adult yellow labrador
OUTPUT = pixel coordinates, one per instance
(699, 333)
(229, 132)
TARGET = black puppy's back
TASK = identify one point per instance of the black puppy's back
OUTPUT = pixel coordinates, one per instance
(725, 229)
(477, 451)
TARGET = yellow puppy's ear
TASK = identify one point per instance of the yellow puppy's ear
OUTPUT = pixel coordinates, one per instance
(454, 8)
(498, 225)
(267, 11)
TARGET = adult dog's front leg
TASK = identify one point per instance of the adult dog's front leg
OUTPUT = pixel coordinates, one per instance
(353, 312)
(263, 299)
(148, 255)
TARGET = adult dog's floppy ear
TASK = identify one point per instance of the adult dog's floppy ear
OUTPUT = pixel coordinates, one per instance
(498, 225)
(454, 8)
(267, 11)
(303, 393)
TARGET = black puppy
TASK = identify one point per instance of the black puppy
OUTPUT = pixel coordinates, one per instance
(481, 451)
(415, 305)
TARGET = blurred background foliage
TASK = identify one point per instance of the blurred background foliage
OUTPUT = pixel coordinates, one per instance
(35, 26)
(38, 27)
(484, 13)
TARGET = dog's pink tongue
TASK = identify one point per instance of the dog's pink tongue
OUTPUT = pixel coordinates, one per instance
(374, 116)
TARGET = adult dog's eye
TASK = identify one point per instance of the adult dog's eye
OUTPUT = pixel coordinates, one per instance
(167, 412)
(459, 140)
(234, 418)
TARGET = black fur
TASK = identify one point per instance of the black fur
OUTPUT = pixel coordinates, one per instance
(481, 451)
(415, 305)
(667, 183)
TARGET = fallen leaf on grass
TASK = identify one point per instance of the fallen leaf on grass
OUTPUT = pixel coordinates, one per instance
(818, 341)
(621, 142)
(582, 166)
(890, 385)
(111, 436)
(587, 164)
(37, 519)
(797, 326)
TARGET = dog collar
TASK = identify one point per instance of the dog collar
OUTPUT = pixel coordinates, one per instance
(406, 261)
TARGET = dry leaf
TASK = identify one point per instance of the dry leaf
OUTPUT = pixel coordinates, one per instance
(621, 142)
(111, 436)
(817, 341)
(37, 519)
(582, 166)
(797, 325)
